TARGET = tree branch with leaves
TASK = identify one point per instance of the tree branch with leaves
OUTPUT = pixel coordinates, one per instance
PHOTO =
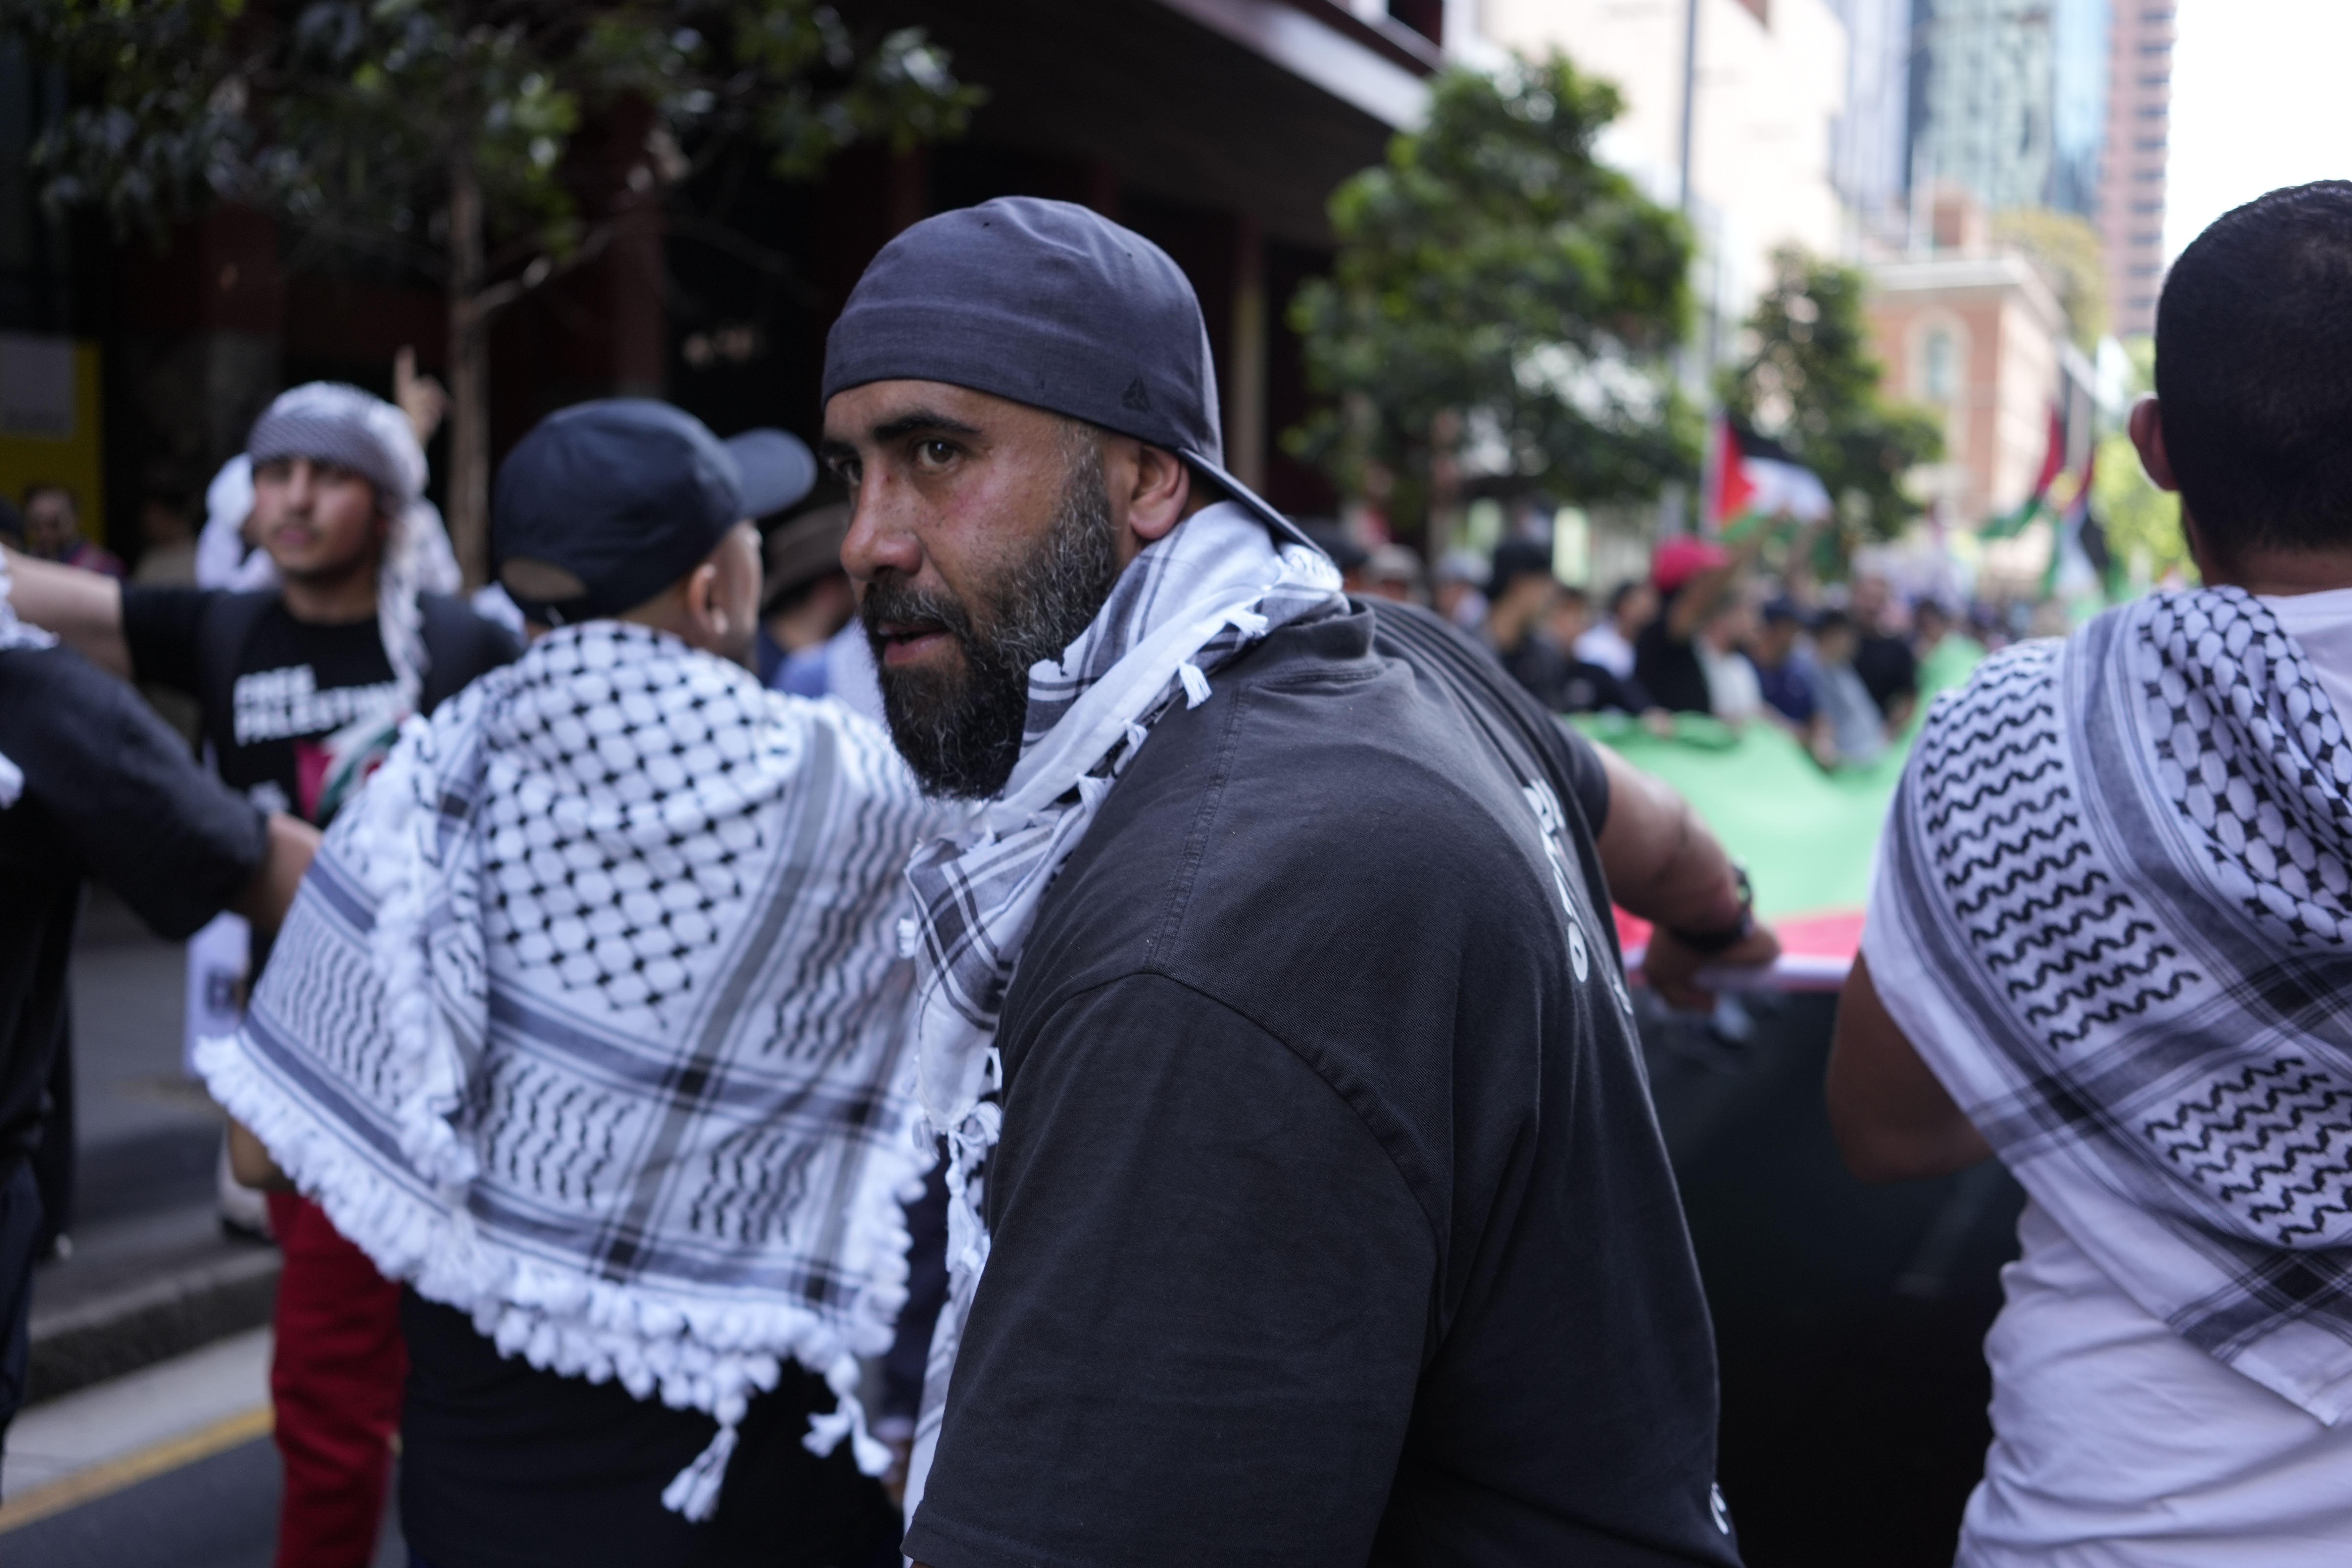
(1809, 380)
(440, 134)
(1503, 309)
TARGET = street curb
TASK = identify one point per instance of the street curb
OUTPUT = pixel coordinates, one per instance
(141, 1324)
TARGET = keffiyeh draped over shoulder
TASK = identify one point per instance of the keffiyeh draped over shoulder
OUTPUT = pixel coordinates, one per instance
(589, 1020)
(1191, 602)
(2114, 912)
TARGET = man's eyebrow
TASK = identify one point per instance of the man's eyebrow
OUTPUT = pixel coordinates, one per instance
(917, 420)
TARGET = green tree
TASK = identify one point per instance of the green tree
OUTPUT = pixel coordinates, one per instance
(1811, 381)
(1502, 310)
(435, 132)
(2142, 522)
(2066, 250)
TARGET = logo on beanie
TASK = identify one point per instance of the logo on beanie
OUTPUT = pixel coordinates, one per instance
(1135, 397)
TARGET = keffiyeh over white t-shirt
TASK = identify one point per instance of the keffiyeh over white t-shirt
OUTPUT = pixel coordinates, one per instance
(2158, 1397)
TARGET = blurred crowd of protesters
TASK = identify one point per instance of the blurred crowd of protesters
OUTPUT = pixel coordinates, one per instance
(1707, 631)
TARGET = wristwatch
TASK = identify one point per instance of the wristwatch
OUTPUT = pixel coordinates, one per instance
(1708, 943)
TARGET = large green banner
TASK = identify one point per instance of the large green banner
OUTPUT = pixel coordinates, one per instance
(1807, 835)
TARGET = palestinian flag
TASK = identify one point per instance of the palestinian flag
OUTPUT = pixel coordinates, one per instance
(2079, 563)
(1755, 477)
(2010, 523)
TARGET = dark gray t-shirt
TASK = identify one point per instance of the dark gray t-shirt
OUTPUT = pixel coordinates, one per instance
(1330, 1219)
(109, 792)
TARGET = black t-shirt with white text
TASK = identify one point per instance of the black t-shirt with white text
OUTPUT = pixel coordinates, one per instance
(1330, 1221)
(273, 688)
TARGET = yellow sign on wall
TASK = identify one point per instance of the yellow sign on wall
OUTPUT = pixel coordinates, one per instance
(50, 422)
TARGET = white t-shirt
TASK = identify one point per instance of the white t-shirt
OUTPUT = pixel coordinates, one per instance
(1605, 646)
(2117, 1444)
(1733, 692)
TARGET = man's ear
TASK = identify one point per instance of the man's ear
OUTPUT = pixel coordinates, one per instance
(1162, 493)
(2147, 435)
(701, 604)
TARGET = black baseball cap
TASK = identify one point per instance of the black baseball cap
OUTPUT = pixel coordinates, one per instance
(1050, 304)
(605, 504)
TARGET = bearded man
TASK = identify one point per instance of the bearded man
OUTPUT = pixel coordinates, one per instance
(1307, 1199)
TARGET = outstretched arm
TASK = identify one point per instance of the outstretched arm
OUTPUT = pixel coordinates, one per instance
(1666, 865)
(83, 608)
(266, 898)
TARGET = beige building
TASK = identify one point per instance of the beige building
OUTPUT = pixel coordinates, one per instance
(1771, 83)
(2131, 176)
(1976, 335)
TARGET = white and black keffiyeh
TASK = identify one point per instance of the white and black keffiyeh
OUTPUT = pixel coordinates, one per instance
(589, 1020)
(2114, 912)
(1187, 604)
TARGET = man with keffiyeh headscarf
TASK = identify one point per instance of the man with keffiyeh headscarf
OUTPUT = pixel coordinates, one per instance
(1305, 1203)
(2110, 942)
(303, 687)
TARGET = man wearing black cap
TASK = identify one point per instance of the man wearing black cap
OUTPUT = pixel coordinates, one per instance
(589, 1029)
(1307, 1201)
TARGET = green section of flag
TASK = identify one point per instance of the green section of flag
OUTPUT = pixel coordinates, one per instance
(1807, 837)
(2009, 524)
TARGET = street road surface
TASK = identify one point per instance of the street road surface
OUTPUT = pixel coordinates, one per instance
(173, 1463)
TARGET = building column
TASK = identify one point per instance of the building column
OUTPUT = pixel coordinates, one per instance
(1246, 351)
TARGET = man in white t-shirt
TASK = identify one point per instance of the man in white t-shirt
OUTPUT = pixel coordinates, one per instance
(2111, 942)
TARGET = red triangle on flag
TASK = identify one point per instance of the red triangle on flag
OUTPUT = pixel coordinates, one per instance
(1733, 488)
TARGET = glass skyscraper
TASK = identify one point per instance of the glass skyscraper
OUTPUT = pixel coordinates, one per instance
(2009, 101)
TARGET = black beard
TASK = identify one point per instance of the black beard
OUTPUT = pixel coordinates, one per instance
(960, 727)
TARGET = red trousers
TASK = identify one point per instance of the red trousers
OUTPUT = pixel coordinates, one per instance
(336, 1383)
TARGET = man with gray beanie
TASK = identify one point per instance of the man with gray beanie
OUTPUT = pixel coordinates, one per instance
(302, 688)
(1306, 1203)
(589, 1028)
